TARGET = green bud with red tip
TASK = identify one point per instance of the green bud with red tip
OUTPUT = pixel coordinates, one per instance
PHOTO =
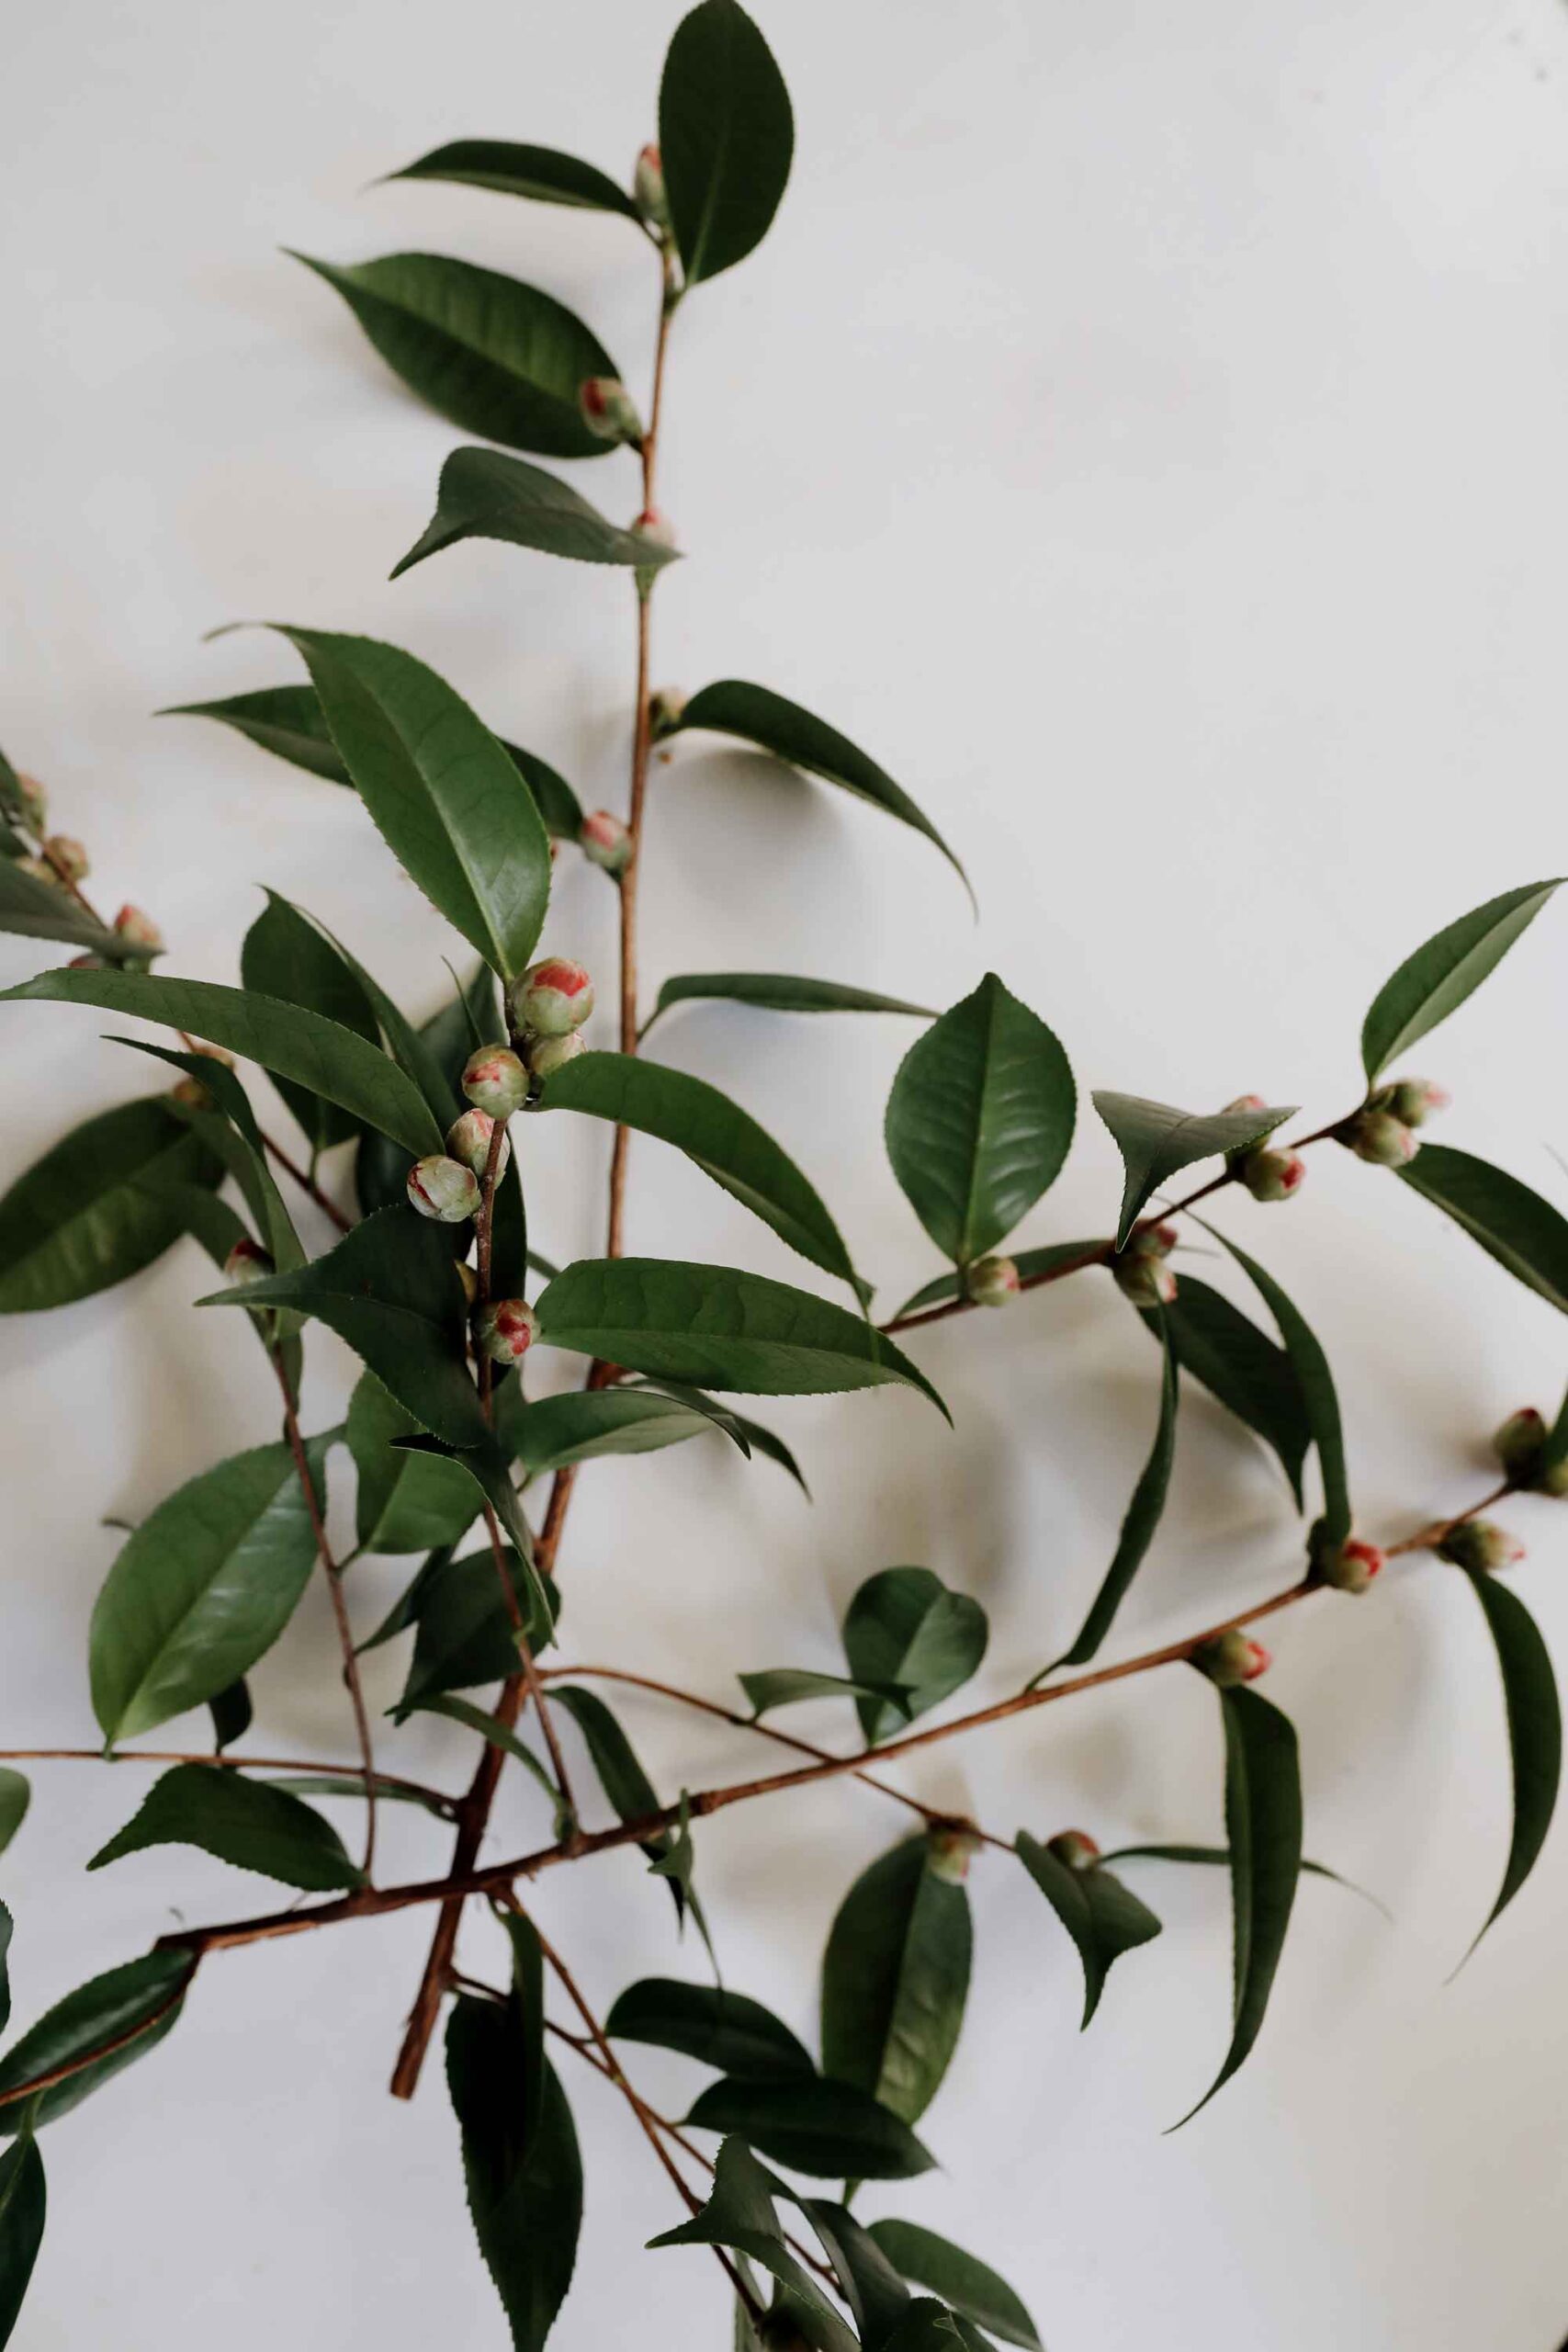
(553, 997)
(506, 1329)
(495, 1080)
(547, 1054)
(35, 804)
(1414, 1099)
(1272, 1175)
(1480, 1544)
(469, 1138)
(1141, 1272)
(951, 1847)
(1520, 1447)
(247, 1261)
(608, 410)
(647, 187)
(1232, 1659)
(1349, 1567)
(605, 842)
(138, 931)
(1379, 1137)
(991, 1282)
(1076, 1848)
(442, 1189)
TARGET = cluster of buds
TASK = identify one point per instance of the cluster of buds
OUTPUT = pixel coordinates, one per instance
(666, 708)
(1141, 1272)
(1383, 1130)
(1076, 1848)
(1349, 1567)
(605, 842)
(1481, 1545)
(647, 187)
(1231, 1658)
(1269, 1174)
(506, 1329)
(1520, 1446)
(609, 410)
(951, 1847)
(550, 1004)
(991, 1282)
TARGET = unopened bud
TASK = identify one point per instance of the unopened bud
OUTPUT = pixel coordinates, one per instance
(86, 964)
(442, 1189)
(35, 803)
(608, 409)
(1416, 1100)
(655, 526)
(951, 1847)
(1350, 1566)
(1245, 1103)
(1155, 1240)
(991, 1282)
(554, 996)
(40, 870)
(547, 1054)
(1231, 1658)
(495, 1080)
(138, 931)
(1272, 1175)
(605, 841)
(506, 1331)
(68, 857)
(468, 1139)
(666, 708)
(248, 1261)
(1380, 1137)
(1074, 1847)
(647, 187)
(1481, 1543)
(1519, 1445)
(1145, 1281)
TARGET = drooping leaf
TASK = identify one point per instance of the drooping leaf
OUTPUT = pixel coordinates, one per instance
(785, 1686)
(88, 1215)
(1319, 1395)
(492, 355)
(721, 1138)
(710, 2023)
(23, 2202)
(756, 715)
(466, 1634)
(1142, 1517)
(776, 992)
(677, 1865)
(1155, 1140)
(831, 2130)
(202, 1589)
(1447, 967)
(542, 173)
(979, 1120)
(753, 1438)
(717, 1327)
(1514, 1225)
(1219, 1857)
(38, 909)
(231, 1713)
(523, 2170)
(484, 494)
(1033, 1264)
(1104, 1918)
(1241, 1367)
(286, 957)
(407, 1502)
(895, 1979)
(1535, 1729)
(139, 2000)
(245, 1822)
(726, 137)
(486, 1465)
(905, 1628)
(740, 2214)
(16, 1796)
(967, 2284)
(583, 1424)
(631, 1793)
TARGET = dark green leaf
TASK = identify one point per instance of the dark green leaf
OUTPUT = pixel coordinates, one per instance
(931, 2327)
(38, 909)
(23, 2201)
(708, 2022)
(419, 1053)
(895, 1977)
(484, 495)
(832, 2129)
(1220, 1855)
(754, 1439)
(1156, 1140)
(231, 1713)
(524, 2184)
(726, 137)
(1442, 972)
(288, 720)
(88, 1214)
(776, 992)
(1316, 1382)
(207, 1218)
(558, 804)
(490, 1729)
(785, 1686)
(1512, 1224)
(582, 1424)
(16, 1796)
(1535, 1729)
(466, 1632)
(322, 1784)
(1103, 1918)
(139, 2000)
(630, 1791)
(677, 1864)
(1031, 1263)
(407, 1502)
(867, 2281)
(543, 172)
(1137, 1528)
(487, 1466)
(1241, 1366)
(740, 2214)
(8, 1925)
(905, 1628)
(927, 2260)
(287, 957)
(245, 1821)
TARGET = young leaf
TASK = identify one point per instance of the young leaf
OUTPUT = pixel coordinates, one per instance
(285, 956)
(288, 720)
(406, 1502)
(979, 1120)
(1514, 1225)
(1156, 1141)
(904, 1628)
(523, 2170)
(1137, 1528)
(542, 173)
(492, 355)
(1535, 1729)
(756, 715)
(16, 1796)
(726, 137)
(776, 992)
(245, 1822)
(1442, 972)
(832, 2129)
(721, 1138)
(23, 2201)
(202, 1589)
(740, 2214)
(968, 2285)
(784, 1686)
(1316, 1382)
(1032, 1265)
(1241, 1367)
(485, 495)
(1104, 1918)
(38, 909)
(140, 2001)
(719, 1327)
(894, 1978)
(89, 1213)
(1263, 1825)
(711, 2024)
(582, 1424)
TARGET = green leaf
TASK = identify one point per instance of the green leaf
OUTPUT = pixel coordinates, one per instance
(740, 2214)
(445, 796)
(1156, 1140)
(832, 2129)
(757, 715)
(1240, 1366)
(8, 1928)
(288, 720)
(721, 1138)
(559, 808)
(542, 173)
(1535, 1729)
(1102, 1916)
(466, 1635)
(753, 1437)
(286, 1040)
(287, 957)
(711, 2024)
(726, 137)
(894, 1978)
(407, 1502)
(23, 2202)
(1031, 1263)
(631, 1793)
(245, 1821)
(1263, 1825)
(36, 910)
(927, 2260)
(523, 2172)
(776, 992)
(1142, 1517)
(905, 1628)
(202, 1589)
(1442, 972)
(231, 1713)
(1220, 1855)
(492, 355)
(785, 1686)
(16, 1796)
(582, 1424)
(979, 1120)
(322, 1784)
(719, 1327)
(1512, 1224)
(391, 1289)
(496, 1734)
(141, 2000)
(88, 1214)
(931, 2327)
(485, 495)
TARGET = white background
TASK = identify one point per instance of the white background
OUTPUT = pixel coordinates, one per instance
(1143, 431)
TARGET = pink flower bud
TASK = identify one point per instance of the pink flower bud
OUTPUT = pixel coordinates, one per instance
(1481, 1543)
(506, 1331)
(40, 870)
(35, 803)
(138, 931)
(991, 1282)
(654, 526)
(1416, 1100)
(608, 409)
(555, 996)
(1380, 1137)
(1231, 1658)
(666, 708)
(468, 1139)
(68, 857)
(1245, 1103)
(1272, 1175)
(1151, 1240)
(647, 187)
(247, 1261)
(951, 1847)
(442, 1189)
(606, 841)
(86, 964)
(495, 1080)
(547, 1054)
(1145, 1280)
(1351, 1568)
(1074, 1847)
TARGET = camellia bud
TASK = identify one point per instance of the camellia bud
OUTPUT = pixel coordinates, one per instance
(991, 1282)
(86, 964)
(554, 996)
(547, 1053)
(647, 187)
(1074, 1847)
(468, 1139)
(1380, 1137)
(1519, 1445)
(951, 1847)
(68, 858)
(35, 803)
(138, 931)
(608, 409)
(442, 1189)
(1271, 1175)
(495, 1080)
(653, 525)
(1351, 1567)
(1481, 1543)
(1140, 1270)
(604, 841)
(1231, 1658)
(248, 1261)
(666, 708)
(1416, 1099)
(506, 1331)
(1245, 1103)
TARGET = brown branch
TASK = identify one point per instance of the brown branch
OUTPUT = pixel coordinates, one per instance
(307, 1184)
(122, 2040)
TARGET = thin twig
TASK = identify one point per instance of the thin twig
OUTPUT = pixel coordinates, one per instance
(307, 1184)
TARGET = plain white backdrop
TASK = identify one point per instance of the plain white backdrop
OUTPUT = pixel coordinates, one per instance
(1143, 430)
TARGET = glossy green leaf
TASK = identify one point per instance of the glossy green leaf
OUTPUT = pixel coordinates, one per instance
(905, 1628)
(255, 1827)
(1156, 1141)
(785, 1686)
(895, 1979)
(16, 1796)
(88, 1215)
(487, 1466)
(831, 2130)
(726, 137)
(721, 1138)
(1241, 1367)
(1142, 1517)
(283, 1038)
(1319, 1395)
(776, 992)
(756, 715)
(717, 1327)
(1033, 1265)
(1447, 967)
(542, 173)
(141, 2000)
(38, 909)
(484, 494)
(23, 2203)
(207, 1218)
(202, 1589)
(287, 957)
(523, 2170)
(740, 2214)
(1535, 1729)
(288, 720)
(492, 355)
(710, 2023)
(584, 1424)
(927, 2260)
(1514, 1225)
(407, 1502)
(466, 1635)
(1104, 1918)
